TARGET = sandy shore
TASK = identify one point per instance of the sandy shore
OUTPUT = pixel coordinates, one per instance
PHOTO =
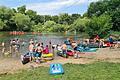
(9, 65)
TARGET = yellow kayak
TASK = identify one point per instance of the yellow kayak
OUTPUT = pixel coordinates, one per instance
(47, 55)
(48, 59)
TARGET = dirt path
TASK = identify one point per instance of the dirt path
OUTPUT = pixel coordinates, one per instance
(105, 54)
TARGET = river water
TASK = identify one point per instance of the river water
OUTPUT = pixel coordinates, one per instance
(55, 38)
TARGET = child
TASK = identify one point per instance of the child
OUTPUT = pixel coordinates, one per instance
(46, 50)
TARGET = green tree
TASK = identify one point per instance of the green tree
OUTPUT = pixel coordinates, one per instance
(75, 17)
(64, 19)
(97, 8)
(55, 18)
(31, 14)
(60, 28)
(108, 7)
(21, 9)
(116, 20)
(80, 24)
(48, 25)
(99, 25)
(47, 18)
(38, 28)
(39, 19)
(6, 15)
(1, 24)
(22, 21)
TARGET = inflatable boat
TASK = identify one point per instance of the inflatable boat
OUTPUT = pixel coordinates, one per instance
(47, 55)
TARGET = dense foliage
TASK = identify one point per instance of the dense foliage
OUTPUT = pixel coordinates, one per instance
(101, 17)
(108, 7)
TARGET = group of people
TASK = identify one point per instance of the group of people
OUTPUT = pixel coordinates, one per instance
(14, 47)
(37, 49)
(85, 43)
(69, 44)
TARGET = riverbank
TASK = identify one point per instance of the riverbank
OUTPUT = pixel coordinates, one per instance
(8, 65)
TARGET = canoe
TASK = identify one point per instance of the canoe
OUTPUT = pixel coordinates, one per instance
(56, 69)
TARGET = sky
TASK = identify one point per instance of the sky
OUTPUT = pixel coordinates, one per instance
(50, 7)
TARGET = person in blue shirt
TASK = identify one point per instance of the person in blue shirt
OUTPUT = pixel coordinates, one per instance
(111, 41)
(67, 42)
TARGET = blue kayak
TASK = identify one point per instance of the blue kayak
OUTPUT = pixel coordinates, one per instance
(81, 49)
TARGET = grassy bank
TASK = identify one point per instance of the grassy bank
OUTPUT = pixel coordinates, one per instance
(95, 71)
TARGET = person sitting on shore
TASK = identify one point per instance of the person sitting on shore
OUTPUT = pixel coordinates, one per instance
(75, 51)
(96, 39)
(46, 50)
(101, 43)
(67, 42)
(59, 47)
(85, 44)
(78, 43)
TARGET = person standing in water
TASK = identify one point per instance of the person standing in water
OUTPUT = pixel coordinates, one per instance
(3, 49)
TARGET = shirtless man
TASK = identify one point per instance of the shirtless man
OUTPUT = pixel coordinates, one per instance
(64, 48)
(31, 48)
(39, 50)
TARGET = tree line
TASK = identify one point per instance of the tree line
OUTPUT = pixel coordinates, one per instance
(101, 17)
(21, 19)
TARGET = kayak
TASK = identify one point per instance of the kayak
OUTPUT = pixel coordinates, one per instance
(81, 49)
(48, 59)
(25, 59)
(90, 50)
(70, 53)
(108, 43)
(60, 53)
(56, 69)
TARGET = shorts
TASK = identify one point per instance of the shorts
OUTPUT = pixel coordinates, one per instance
(38, 54)
(75, 48)
(31, 54)
(111, 42)
(64, 51)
